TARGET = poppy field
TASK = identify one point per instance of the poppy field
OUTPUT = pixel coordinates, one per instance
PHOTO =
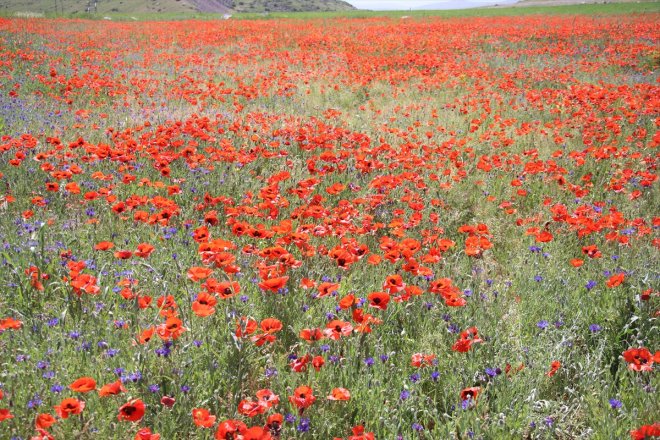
(423, 228)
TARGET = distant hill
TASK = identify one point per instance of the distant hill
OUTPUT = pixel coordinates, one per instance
(464, 4)
(74, 7)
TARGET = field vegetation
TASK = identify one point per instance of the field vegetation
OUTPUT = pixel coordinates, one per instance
(426, 228)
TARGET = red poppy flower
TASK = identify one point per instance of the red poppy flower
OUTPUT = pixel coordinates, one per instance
(394, 284)
(311, 335)
(230, 430)
(132, 411)
(10, 324)
(359, 434)
(554, 367)
(615, 280)
(250, 408)
(422, 360)
(5, 415)
(302, 398)
(318, 362)
(203, 418)
(45, 421)
(274, 424)
(378, 300)
(256, 433)
(146, 434)
(640, 359)
(591, 251)
(335, 329)
(268, 398)
(470, 393)
(646, 432)
(167, 401)
(69, 406)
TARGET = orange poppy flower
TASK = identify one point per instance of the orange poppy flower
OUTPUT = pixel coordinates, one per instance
(274, 284)
(326, 289)
(104, 246)
(245, 326)
(576, 262)
(340, 394)
(271, 325)
(615, 280)
(123, 255)
(199, 273)
(311, 335)
(224, 290)
(204, 304)
(144, 250)
(112, 389)
(83, 385)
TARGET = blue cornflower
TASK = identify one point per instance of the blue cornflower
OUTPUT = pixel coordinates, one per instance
(303, 425)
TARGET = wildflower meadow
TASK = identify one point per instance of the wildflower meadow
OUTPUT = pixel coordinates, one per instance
(330, 228)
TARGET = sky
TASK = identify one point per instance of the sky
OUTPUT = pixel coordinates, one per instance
(380, 5)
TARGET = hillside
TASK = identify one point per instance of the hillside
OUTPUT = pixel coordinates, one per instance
(75, 7)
